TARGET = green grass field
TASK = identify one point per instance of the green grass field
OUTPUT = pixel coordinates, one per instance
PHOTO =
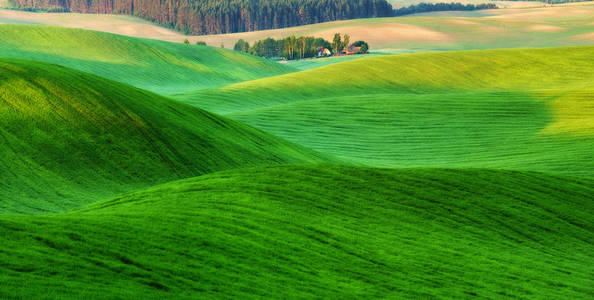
(306, 64)
(157, 66)
(439, 175)
(70, 138)
(320, 231)
(524, 109)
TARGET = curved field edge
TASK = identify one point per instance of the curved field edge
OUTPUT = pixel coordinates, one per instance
(524, 131)
(315, 231)
(436, 72)
(157, 66)
(70, 138)
(526, 109)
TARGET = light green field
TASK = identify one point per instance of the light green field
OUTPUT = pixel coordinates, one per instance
(520, 109)
(70, 138)
(306, 64)
(149, 64)
(315, 232)
(109, 191)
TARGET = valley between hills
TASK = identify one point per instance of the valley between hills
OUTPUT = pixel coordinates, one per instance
(455, 160)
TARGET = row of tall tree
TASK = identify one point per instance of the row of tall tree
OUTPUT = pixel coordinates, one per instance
(223, 16)
(297, 47)
(429, 7)
(552, 1)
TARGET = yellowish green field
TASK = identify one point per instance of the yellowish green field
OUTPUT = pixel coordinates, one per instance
(528, 109)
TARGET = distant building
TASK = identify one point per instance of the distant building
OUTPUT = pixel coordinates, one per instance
(324, 52)
(352, 49)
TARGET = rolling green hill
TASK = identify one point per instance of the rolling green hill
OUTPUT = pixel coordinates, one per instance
(149, 64)
(528, 109)
(68, 138)
(319, 231)
(418, 73)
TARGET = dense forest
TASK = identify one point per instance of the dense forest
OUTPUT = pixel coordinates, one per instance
(222, 16)
(226, 16)
(551, 1)
(289, 48)
(428, 7)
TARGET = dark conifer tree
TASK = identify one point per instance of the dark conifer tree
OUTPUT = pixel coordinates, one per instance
(223, 16)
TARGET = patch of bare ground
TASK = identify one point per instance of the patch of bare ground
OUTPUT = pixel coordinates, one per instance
(124, 25)
(545, 12)
(391, 31)
(544, 28)
(584, 37)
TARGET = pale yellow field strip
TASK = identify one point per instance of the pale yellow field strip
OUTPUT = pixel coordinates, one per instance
(427, 31)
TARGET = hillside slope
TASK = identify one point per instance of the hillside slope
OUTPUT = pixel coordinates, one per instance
(149, 64)
(69, 138)
(529, 109)
(319, 231)
(443, 72)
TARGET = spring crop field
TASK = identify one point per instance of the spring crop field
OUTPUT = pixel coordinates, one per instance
(100, 137)
(136, 168)
(315, 231)
(149, 64)
(491, 108)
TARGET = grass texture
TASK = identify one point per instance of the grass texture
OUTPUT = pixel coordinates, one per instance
(108, 191)
(527, 109)
(316, 231)
(157, 66)
(69, 138)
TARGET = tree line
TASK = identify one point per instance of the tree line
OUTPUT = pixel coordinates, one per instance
(226, 16)
(298, 47)
(223, 16)
(429, 7)
(551, 1)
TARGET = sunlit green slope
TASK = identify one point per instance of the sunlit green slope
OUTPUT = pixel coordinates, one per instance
(527, 109)
(319, 231)
(68, 138)
(443, 72)
(150, 64)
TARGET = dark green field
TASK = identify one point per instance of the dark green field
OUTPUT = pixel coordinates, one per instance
(100, 138)
(525, 109)
(141, 169)
(316, 231)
